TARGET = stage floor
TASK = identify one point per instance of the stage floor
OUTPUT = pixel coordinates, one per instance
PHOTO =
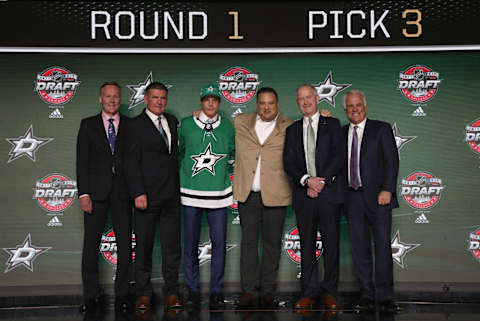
(411, 311)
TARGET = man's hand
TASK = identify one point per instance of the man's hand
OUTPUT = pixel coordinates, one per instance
(86, 204)
(141, 202)
(325, 113)
(384, 198)
(312, 193)
(316, 183)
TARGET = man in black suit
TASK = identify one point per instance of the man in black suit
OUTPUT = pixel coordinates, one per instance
(151, 166)
(372, 179)
(314, 157)
(101, 186)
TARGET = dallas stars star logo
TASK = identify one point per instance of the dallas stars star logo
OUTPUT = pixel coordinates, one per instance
(328, 90)
(206, 161)
(400, 249)
(205, 251)
(23, 255)
(26, 145)
(401, 140)
(139, 90)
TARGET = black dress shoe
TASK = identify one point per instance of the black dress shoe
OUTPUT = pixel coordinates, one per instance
(269, 301)
(89, 306)
(193, 300)
(389, 307)
(365, 304)
(217, 301)
(122, 304)
(245, 301)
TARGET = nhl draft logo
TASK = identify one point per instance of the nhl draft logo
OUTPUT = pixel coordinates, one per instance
(55, 193)
(108, 247)
(238, 85)
(472, 135)
(474, 244)
(421, 190)
(292, 245)
(56, 85)
(328, 89)
(419, 83)
(23, 255)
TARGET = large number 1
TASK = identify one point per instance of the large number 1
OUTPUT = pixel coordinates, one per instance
(418, 13)
(235, 26)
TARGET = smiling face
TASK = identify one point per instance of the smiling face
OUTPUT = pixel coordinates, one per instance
(156, 100)
(355, 108)
(307, 101)
(110, 100)
(267, 106)
(210, 105)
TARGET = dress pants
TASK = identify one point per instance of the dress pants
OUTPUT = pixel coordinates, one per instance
(255, 218)
(167, 215)
(94, 226)
(217, 220)
(319, 212)
(361, 221)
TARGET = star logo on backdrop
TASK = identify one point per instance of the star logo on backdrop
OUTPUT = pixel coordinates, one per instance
(401, 140)
(26, 145)
(205, 251)
(328, 90)
(206, 161)
(23, 255)
(400, 249)
(139, 90)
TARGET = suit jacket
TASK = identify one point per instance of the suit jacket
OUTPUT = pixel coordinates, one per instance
(275, 186)
(150, 168)
(95, 159)
(330, 160)
(378, 162)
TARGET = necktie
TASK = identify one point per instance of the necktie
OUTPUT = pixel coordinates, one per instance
(312, 171)
(354, 178)
(111, 134)
(162, 132)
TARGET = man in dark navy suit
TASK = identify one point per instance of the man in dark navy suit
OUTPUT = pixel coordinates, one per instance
(314, 157)
(372, 179)
(151, 166)
(101, 186)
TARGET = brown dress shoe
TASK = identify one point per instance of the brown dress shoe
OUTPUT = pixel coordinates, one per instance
(172, 302)
(305, 303)
(245, 301)
(143, 303)
(330, 302)
(269, 301)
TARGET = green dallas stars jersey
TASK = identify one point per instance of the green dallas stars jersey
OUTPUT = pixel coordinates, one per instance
(206, 158)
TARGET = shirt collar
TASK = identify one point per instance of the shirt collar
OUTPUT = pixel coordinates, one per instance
(360, 125)
(204, 118)
(315, 118)
(106, 117)
(152, 116)
(261, 121)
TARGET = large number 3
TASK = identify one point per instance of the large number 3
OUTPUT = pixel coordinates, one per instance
(418, 14)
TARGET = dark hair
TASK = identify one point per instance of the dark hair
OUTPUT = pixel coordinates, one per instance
(156, 85)
(265, 90)
(110, 83)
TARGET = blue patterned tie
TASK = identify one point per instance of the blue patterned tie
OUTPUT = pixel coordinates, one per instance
(111, 134)
(162, 132)
(354, 179)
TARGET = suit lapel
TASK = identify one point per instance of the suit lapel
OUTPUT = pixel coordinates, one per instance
(367, 133)
(251, 126)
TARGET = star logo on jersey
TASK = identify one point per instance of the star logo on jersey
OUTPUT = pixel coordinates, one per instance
(206, 161)
(205, 251)
(139, 91)
(26, 145)
(23, 255)
(328, 90)
(401, 140)
(400, 249)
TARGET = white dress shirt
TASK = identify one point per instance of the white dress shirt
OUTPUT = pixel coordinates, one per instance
(263, 129)
(164, 121)
(360, 129)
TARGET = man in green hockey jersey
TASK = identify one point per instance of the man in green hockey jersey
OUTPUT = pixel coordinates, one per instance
(206, 154)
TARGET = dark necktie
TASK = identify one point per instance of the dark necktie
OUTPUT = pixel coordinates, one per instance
(354, 178)
(162, 132)
(111, 135)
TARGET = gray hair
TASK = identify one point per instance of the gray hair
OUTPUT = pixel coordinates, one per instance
(354, 92)
(308, 86)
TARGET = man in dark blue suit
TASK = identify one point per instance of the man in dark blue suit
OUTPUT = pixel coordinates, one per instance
(372, 179)
(314, 157)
